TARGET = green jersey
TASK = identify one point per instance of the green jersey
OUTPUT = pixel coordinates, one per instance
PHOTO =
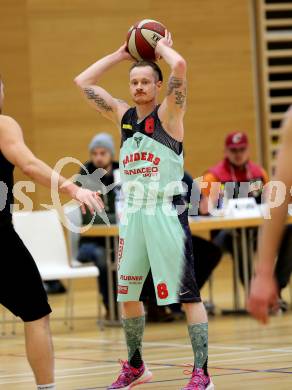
(151, 161)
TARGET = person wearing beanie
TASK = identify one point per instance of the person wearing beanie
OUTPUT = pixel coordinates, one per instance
(102, 141)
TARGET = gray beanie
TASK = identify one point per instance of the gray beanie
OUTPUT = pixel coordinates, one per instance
(102, 140)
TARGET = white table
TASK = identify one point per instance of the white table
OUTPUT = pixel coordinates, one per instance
(197, 224)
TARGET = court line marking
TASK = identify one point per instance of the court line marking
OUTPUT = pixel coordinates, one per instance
(241, 371)
(146, 343)
(174, 345)
(240, 349)
(186, 358)
(145, 354)
(115, 365)
(111, 364)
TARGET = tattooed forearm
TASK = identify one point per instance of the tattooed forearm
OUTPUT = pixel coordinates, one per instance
(174, 83)
(180, 98)
(99, 101)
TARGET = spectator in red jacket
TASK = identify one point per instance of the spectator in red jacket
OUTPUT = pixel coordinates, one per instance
(236, 168)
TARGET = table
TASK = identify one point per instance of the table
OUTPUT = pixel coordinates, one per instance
(197, 224)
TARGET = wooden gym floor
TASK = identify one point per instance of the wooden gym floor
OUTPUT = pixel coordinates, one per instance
(243, 355)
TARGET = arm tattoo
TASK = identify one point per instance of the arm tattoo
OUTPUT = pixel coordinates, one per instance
(180, 98)
(174, 83)
(99, 101)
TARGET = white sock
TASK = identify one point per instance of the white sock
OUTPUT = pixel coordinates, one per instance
(51, 386)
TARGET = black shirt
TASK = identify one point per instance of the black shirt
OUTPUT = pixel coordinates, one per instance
(6, 191)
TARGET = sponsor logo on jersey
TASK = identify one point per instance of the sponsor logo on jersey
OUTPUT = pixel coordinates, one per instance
(122, 289)
(131, 278)
(145, 171)
(141, 156)
(127, 126)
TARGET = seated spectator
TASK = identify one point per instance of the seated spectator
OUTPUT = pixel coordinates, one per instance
(236, 168)
(92, 249)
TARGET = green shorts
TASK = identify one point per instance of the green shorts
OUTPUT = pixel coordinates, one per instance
(162, 243)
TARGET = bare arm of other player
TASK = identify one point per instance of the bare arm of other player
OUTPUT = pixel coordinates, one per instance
(264, 288)
(173, 107)
(14, 149)
(111, 108)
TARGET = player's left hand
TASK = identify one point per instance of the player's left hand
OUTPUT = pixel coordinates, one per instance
(263, 296)
(165, 41)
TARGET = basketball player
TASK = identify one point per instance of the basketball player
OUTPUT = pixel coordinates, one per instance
(21, 288)
(264, 289)
(152, 138)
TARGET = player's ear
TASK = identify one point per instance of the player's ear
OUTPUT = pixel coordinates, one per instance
(159, 84)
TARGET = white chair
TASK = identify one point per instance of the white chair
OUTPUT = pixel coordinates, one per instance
(73, 213)
(43, 235)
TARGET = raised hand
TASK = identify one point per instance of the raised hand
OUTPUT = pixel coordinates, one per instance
(165, 41)
(124, 53)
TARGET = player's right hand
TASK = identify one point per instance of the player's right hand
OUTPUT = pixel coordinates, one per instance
(124, 53)
(263, 296)
(89, 199)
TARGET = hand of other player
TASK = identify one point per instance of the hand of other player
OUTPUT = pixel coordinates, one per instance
(263, 296)
(89, 199)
